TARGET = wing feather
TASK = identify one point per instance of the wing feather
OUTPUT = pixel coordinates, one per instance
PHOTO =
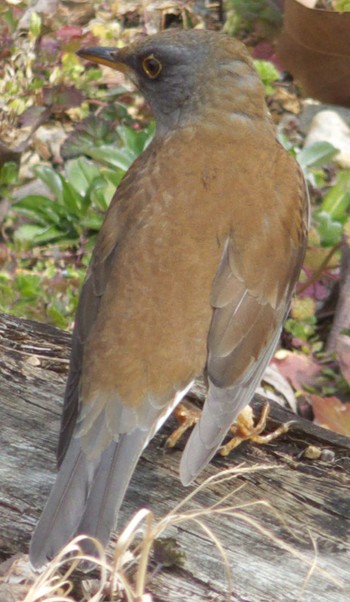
(251, 297)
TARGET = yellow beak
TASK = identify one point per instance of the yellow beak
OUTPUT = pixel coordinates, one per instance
(112, 57)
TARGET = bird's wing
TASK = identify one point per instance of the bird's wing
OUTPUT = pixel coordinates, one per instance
(104, 256)
(89, 301)
(251, 296)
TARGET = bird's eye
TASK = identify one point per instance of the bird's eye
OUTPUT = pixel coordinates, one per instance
(151, 66)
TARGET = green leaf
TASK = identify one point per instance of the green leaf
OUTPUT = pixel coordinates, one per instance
(57, 317)
(92, 132)
(80, 173)
(52, 179)
(72, 201)
(35, 23)
(100, 194)
(112, 156)
(10, 20)
(34, 234)
(135, 140)
(27, 233)
(330, 231)
(40, 209)
(337, 200)
(48, 235)
(8, 173)
(342, 5)
(113, 176)
(299, 329)
(317, 154)
(28, 285)
(92, 222)
(7, 293)
(268, 74)
(4, 278)
(128, 137)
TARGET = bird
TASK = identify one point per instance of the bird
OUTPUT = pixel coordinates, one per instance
(192, 274)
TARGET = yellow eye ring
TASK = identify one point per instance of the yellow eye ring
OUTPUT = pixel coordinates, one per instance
(151, 66)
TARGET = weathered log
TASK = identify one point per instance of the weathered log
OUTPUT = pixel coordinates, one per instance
(311, 497)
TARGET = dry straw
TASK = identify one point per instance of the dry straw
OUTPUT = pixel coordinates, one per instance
(55, 582)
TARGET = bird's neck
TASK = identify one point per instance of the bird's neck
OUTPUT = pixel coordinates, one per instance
(234, 97)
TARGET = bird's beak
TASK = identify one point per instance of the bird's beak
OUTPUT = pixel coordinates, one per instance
(112, 57)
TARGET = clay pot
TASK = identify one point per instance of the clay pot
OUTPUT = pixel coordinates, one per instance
(314, 47)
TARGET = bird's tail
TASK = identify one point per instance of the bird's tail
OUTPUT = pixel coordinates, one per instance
(86, 496)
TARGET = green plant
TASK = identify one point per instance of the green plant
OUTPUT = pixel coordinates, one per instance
(330, 217)
(342, 5)
(263, 16)
(302, 321)
(333, 213)
(8, 177)
(315, 155)
(41, 290)
(77, 205)
(268, 74)
(80, 197)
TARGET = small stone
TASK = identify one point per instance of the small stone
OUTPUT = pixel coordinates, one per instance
(327, 455)
(33, 360)
(312, 452)
(328, 126)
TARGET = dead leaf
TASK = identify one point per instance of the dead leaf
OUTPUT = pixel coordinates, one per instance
(331, 413)
(297, 368)
(67, 32)
(18, 138)
(283, 391)
(60, 98)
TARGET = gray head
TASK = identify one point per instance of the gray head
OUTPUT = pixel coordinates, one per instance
(180, 72)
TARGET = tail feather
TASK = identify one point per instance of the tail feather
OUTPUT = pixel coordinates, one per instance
(86, 496)
(109, 487)
(62, 513)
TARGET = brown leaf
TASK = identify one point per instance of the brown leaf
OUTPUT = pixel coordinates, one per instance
(297, 368)
(331, 413)
(314, 47)
(33, 117)
(61, 97)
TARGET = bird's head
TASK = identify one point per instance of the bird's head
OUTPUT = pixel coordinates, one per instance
(180, 72)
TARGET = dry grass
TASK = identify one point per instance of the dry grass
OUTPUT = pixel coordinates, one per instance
(134, 546)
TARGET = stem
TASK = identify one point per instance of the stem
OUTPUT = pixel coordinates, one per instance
(315, 276)
(143, 563)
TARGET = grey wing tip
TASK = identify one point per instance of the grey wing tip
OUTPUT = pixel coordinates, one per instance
(36, 564)
(186, 476)
(39, 556)
(195, 457)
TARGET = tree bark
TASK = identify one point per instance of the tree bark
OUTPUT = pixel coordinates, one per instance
(307, 502)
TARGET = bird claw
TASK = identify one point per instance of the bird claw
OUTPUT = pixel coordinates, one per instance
(245, 430)
(187, 415)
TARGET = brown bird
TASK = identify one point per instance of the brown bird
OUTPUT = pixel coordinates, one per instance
(192, 273)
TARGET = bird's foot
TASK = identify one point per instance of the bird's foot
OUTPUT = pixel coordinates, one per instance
(244, 429)
(187, 414)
